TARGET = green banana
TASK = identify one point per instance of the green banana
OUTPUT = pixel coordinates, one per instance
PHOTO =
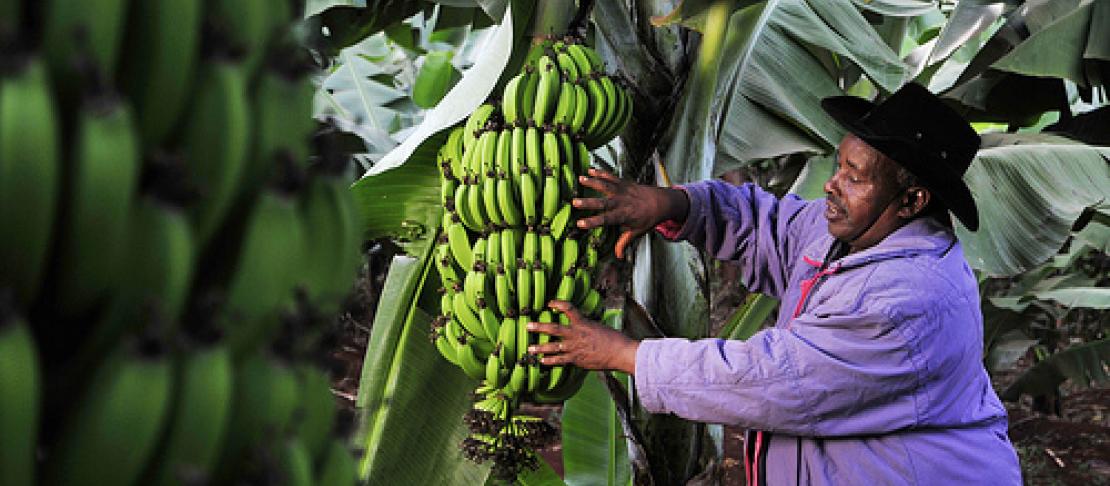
(29, 178)
(567, 65)
(502, 286)
(581, 108)
(539, 286)
(560, 222)
(565, 291)
(531, 85)
(566, 106)
(547, 250)
(454, 151)
(511, 239)
(200, 410)
(466, 317)
(105, 172)
(568, 255)
(316, 416)
(507, 201)
(469, 362)
(338, 466)
(510, 101)
(476, 122)
(547, 93)
(20, 377)
(215, 137)
(294, 463)
(71, 31)
(163, 50)
(530, 248)
(591, 303)
(264, 402)
(533, 152)
(551, 200)
(245, 27)
(524, 286)
(443, 345)
(577, 53)
(263, 280)
(529, 198)
(518, 381)
(111, 435)
(517, 149)
(494, 377)
(160, 254)
(552, 156)
(600, 106)
(490, 322)
(459, 241)
(506, 341)
(283, 126)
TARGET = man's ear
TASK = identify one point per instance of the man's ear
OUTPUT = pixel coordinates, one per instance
(914, 201)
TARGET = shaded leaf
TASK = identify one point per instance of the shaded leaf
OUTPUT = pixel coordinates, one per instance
(1084, 364)
(1028, 198)
(749, 318)
(342, 26)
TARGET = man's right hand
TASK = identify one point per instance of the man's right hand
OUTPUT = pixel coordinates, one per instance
(635, 208)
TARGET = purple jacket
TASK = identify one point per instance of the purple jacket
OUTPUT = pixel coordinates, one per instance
(879, 378)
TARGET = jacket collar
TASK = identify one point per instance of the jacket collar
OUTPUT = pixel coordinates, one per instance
(920, 236)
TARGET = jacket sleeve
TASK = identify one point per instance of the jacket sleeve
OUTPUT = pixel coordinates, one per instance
(750, 226)
(832, 375)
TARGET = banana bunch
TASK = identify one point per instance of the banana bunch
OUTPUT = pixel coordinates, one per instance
(509, 243)
(176, 247)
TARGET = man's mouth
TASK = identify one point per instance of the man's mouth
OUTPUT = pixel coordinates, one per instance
(832, 211)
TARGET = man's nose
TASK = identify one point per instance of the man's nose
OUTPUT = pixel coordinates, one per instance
(829, 185)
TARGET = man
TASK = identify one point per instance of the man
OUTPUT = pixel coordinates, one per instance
(872, 374)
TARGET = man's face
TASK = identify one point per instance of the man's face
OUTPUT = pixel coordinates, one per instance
(862, 188)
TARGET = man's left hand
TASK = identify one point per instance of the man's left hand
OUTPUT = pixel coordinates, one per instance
(584, 343)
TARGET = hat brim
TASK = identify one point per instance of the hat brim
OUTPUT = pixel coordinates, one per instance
(945, 184)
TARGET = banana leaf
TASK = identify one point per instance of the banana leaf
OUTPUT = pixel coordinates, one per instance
(1029, 196)
(771, 85)
(969, 19)
(436, 76)
(1056, 50)
(403, 204)
(334, 27)
(1084, 364)
(897, 8)
(471, 91)
(594, 448)
(411, 400)
(1085, 297)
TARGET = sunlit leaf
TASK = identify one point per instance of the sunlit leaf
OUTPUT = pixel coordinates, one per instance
(772, 85)
(1054, 51)
(436, 76)
(1082, 297)
(594, 449)
(1028, 197)
(410, 398)
(476, 84)
(897, 8)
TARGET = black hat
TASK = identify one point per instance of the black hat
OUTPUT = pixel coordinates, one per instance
(919, 132)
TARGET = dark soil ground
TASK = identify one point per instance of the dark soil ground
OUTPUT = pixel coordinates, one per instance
(1068, 448)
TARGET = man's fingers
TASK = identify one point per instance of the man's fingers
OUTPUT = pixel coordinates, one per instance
(604, 174)
(567, 308)
(593, 204)
(549, 348)
(556, 360)
(593, 221)
(546, 328)
(604, 186)
(625, 239)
